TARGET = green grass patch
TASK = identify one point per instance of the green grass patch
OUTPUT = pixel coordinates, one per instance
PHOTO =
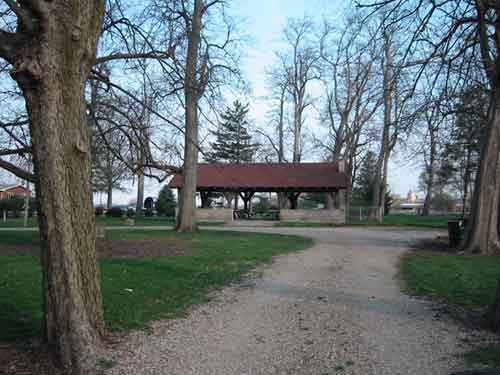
(468, 281)
(139, 290)
(488, 356)
(109, 222)
(433, 221)
(16, 222)
(141, 221)
(21, 238)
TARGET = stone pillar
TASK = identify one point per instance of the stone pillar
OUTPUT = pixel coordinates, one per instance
(329, 201)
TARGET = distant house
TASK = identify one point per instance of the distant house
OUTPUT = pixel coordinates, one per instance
(412, 204)
(10, 191)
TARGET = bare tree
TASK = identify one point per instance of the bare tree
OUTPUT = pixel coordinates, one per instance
(209, 60)
(108, 169)
(461, 37)
(399, 108)
(51, 48)
(351, 91)
(277, 80)
(300, 65)
(430, 167)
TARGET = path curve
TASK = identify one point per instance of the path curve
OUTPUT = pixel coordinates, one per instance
(336, 308)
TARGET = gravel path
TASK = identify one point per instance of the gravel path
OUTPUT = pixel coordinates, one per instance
(336, 308)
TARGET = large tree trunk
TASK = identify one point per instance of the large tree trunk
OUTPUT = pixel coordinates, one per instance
(297, 130)
(187, 201)
(281, 146)
(383, 159)
(430, 173)
(139, 207)
(466, 181)
(109, 195)
(52, 76)
(482, 230)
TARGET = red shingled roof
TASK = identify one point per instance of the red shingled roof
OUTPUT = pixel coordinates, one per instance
(269, 177)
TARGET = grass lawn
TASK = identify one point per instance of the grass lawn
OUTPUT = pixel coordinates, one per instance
(139, 290)
(486, 356)
(18, 222)
(108, 221)
(412, 221)
(433, 221)
(466, 281)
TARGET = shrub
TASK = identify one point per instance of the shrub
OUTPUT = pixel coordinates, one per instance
(443, 202)
(263, 205)
(149, 212)
(13, 205)
(33, 206)
(165, 204)
(149, 203)
(114, 212)
(130, 213)
(99, 211)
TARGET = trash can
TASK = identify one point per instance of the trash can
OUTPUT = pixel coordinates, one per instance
(455, 233)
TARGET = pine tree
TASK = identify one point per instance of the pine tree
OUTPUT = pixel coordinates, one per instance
(233, 144)
(363, 188)
(165, 204)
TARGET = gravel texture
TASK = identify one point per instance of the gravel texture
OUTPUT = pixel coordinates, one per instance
(336, 308)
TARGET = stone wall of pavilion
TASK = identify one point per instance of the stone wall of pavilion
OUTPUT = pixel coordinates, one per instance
(332, 216)
(214, 214)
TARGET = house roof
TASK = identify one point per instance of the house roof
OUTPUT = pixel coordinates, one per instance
(8, 187)
(306, 177)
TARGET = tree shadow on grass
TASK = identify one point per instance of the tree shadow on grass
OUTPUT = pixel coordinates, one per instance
(16, 324)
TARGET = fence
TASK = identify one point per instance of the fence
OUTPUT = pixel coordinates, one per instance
(365, 213)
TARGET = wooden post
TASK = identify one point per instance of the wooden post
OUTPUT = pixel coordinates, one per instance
(246, 196)
(293, 198)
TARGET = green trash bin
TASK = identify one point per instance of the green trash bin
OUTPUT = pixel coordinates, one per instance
(455, 232)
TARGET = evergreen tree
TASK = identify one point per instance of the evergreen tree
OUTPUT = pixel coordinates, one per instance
(363, 187)
(233, 144)
(165, 204)
(462, 151)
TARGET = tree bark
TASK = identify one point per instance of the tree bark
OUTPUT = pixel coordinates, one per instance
(430, 176)
(187, 201)
(297, 130)
(281, 146)
(109, 196)
(385, 184)
(52, 75)
(466, 181)
(282, 198)
(383, 159)
(139, 206)
(482, 229)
